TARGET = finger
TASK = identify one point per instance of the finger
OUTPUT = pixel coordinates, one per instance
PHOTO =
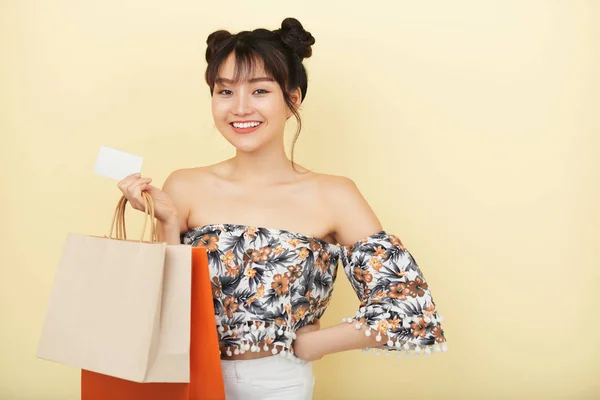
(152, 190)
(147, 182)
(134, 187)
(146, 187)
(126, 183)
(133, 192)
(128, 180)
(136, 175)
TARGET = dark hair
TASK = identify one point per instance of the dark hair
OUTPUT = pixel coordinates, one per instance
(280, 52)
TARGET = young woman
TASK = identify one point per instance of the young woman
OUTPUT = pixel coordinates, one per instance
(275, 231)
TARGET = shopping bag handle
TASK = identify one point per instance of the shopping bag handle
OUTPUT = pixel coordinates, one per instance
(119, 219)
(148, 213)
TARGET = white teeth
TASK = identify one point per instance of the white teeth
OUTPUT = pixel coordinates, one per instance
(245, 124)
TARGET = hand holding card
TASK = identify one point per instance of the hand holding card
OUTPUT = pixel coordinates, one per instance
(126, 168)
(164, 207)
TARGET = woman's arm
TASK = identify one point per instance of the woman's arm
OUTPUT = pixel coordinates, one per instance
(174, 187)
(312, 345)
(169, 231)
(352, 219)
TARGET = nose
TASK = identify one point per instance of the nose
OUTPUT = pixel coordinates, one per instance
(242, 105)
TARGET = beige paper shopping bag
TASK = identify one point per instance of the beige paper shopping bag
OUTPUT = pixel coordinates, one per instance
(121, 307)
(170, 360)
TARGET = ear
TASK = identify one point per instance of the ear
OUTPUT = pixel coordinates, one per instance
(296, 97)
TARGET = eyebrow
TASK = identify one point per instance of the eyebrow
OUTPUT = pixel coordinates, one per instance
(253, 80)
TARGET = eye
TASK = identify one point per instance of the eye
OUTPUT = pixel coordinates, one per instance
(261, 91)
(225, 92)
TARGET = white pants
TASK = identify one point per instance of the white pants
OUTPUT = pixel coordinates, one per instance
(273, 377)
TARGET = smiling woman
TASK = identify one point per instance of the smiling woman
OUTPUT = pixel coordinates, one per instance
(254, 71)
(271, 285)
(248, 106)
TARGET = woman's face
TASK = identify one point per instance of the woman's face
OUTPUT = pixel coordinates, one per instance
(252, 113)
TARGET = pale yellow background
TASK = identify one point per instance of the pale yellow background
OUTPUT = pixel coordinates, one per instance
(470, 126)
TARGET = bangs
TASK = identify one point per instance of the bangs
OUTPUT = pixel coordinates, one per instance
(248, 66)
(250, 62)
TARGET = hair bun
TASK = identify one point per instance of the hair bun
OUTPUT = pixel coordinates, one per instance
(214, 42)
(296, 38)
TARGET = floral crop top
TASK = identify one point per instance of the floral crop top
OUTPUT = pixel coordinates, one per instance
(267, 283)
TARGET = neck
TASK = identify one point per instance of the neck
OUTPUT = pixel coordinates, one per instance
(266, 166)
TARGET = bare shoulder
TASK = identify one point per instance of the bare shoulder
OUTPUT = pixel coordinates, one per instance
(188, 178)
(333, 185)
(337, 189)
(353, 218)
(181, 184)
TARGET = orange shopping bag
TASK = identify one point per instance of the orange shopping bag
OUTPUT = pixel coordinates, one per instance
(206, 380)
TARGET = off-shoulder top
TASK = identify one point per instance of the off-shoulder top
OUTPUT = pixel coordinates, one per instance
(267, 283)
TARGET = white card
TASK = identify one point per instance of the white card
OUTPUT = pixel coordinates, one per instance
(117, 164)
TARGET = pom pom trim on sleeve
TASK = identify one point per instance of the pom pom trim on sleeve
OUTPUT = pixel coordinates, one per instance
(396, 303)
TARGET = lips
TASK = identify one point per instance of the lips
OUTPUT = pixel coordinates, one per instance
(245, 127)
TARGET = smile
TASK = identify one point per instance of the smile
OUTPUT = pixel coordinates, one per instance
(245, 127)
(251, 124)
